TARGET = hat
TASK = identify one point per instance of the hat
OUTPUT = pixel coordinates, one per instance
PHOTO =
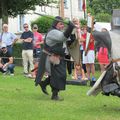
(35, 26)
(57, 20)
(3, 45)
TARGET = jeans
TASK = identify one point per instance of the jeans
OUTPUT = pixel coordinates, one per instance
(10, 69)
(36, 52)
(10, 49)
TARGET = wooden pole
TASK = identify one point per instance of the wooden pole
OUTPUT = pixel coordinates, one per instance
(0, 17)
(62, 8)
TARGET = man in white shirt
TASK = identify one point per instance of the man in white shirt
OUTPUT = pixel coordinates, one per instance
(8, 38)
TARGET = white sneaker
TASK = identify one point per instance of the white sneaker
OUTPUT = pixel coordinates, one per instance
(12, 74)
(29, 75)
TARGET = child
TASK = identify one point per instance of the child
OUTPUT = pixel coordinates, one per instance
(88, 59)
(79, 73)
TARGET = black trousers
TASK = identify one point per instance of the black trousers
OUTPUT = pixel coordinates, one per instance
(69, 64)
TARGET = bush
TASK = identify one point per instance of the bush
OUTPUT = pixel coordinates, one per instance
(103, 17)
(17, 53)
(83, 22)
(44, 23)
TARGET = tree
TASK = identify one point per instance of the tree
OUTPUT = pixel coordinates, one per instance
(103, 17)
(44, 23)
(14, 7)
(104, 7)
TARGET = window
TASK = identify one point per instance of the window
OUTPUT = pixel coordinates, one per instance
(20, 22)
(116, 21)
(80, 3)
(66, 4)
(43, 9)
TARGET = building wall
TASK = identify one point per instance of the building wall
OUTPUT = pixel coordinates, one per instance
(72, 9)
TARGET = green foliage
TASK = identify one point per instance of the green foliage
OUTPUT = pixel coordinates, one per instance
(17, 53)
(21, 100)
(104, 6)
(103, 17)
(15, 7)
(83, 22)
(44, 23)
(102, 9)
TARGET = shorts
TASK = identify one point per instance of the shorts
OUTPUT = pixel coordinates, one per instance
(89, 58)
(36, 52)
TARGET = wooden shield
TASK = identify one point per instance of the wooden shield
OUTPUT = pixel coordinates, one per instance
(96, 89)
(90, 26)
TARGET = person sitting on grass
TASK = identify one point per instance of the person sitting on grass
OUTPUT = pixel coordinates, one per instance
(79, 73)
(6, 61)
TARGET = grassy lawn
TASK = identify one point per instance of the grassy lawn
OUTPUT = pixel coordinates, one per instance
(21, 100)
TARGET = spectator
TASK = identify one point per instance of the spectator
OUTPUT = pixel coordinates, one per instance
(81, 51)
(38, 41)
(102, 55)
(27, 50)
(76, 34)
(8, 38)
(6, 60)
(90, 57)
(79, 73)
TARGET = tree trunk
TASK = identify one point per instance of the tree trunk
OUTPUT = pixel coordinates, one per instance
(0, 17)
(4, 12)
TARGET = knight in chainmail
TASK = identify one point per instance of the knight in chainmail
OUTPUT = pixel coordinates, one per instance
(52, 59)
(109, 81)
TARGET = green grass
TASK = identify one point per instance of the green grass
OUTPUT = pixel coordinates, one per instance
(21, 100)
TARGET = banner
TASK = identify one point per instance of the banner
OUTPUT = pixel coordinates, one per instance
(84, 5)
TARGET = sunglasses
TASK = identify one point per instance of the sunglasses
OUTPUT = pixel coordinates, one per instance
(3, 47)
(5, 27)
(25, 26)
(35, 28)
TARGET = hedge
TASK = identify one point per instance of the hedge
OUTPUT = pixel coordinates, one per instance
(17, 53)
(44, 23)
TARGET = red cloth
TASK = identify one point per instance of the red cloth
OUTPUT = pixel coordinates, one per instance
(37, 38)
(103, 56)
(83, 5)
(91, 44)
